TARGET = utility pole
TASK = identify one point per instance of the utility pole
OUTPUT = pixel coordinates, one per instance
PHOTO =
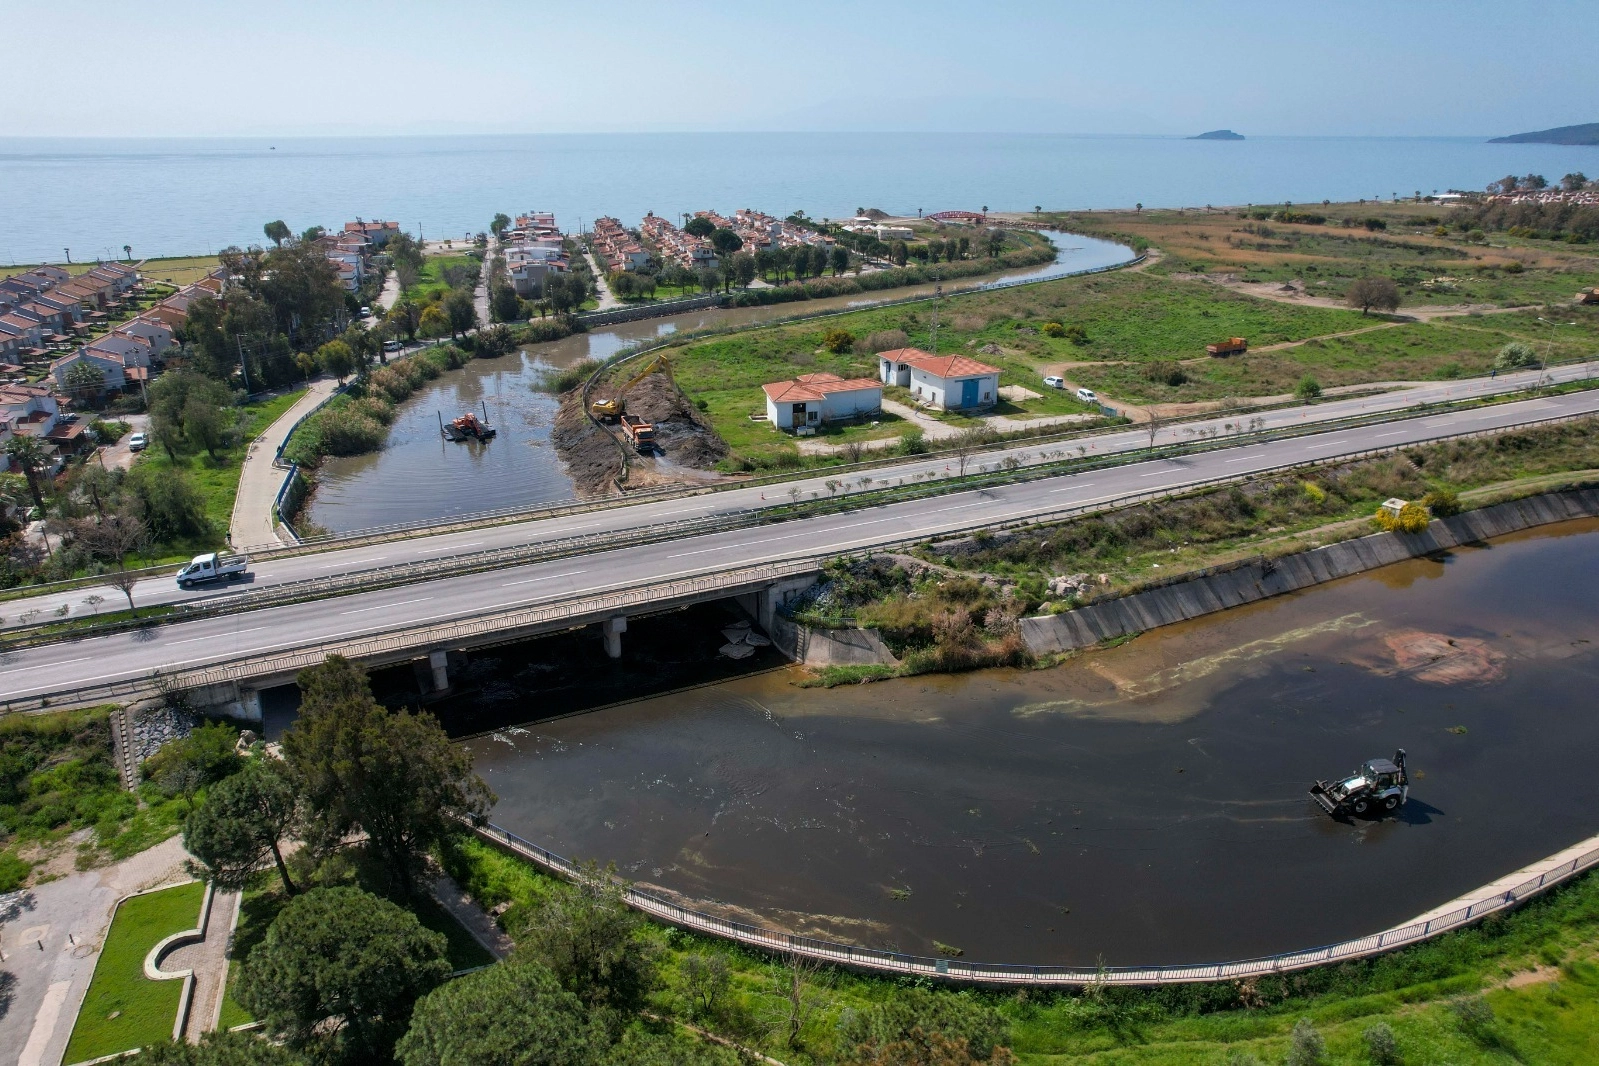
(244, 365)
(938, 294)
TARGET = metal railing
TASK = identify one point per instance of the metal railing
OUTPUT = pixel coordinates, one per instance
(543, 551)
(898, 963)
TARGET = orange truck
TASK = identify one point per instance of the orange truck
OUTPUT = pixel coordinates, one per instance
(1230, 346)
(640, 432)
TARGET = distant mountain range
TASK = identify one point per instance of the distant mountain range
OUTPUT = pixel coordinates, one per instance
(1587, 133)
(1218, 135)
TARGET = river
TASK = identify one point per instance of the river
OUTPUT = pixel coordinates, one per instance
(1142, 804)
(419, 476)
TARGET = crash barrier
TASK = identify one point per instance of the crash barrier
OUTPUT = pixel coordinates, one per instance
(499, 558)
(400, 640)
(897, 964)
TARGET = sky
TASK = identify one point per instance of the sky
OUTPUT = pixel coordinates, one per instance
(182, 68)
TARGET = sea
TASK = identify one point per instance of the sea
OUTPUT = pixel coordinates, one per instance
(90, 198)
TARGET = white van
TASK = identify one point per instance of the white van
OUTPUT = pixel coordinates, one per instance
(1055, 382)
(1087, 396)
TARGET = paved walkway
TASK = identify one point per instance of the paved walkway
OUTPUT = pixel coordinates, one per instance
(391, 290)
(608, 300)
(208, 959)
(453, 898)
(259, 480)
(50, 939)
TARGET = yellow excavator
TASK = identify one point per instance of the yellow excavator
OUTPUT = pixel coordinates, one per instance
(613, 406)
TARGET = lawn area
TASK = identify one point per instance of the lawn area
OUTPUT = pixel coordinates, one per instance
(123, 1009)
(431, 277)
(1123, 316)
(216, 478)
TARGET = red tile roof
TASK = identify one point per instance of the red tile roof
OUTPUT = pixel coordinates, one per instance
(943, 366)
(808, 387)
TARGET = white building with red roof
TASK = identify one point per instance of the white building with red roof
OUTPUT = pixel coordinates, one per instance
(811, 399)
(950, 382)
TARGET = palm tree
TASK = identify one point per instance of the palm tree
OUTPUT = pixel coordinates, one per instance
(127, 250)
(29, 454)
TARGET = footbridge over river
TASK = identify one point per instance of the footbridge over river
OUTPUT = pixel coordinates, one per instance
(229, 649)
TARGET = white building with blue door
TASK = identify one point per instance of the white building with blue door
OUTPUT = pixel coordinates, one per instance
(947, 382)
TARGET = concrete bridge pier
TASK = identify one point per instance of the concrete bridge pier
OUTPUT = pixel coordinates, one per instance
(773, 596)
(439, 662)
(612, 629)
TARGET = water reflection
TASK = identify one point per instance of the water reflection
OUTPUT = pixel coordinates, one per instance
(1145, 803)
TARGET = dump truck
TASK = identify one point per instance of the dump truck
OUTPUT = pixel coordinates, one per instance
(640, 432)
(1230, 346)
(213, 566)
(1380, 786)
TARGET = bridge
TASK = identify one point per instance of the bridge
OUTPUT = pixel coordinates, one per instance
(430, 603)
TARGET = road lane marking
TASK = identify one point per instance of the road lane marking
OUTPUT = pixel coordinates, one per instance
(1074, 488)
(353, 562)
(1395, 433)
(1152, 473)
(1240, 459)
(450, 547)
(382, 606)
(41, 666)
(551, 577)
(1324, 444)
(191, 640)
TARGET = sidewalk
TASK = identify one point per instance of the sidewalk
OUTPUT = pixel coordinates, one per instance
(259, 480)
(52, 942)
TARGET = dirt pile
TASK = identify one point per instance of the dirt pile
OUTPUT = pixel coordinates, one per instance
(1439, 659)
(680, 431)
(591, 455)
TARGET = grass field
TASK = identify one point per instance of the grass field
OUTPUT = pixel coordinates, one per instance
(177, 270)
(122, 1009)
(430, 279)
(217, 479)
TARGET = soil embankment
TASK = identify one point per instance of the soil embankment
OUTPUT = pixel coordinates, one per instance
(685, 443)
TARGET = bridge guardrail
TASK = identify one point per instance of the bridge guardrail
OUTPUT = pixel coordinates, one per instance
(898, 963)
(499, 558)
(407, 636)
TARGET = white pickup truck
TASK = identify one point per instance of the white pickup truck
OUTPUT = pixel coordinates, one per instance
(213, 566)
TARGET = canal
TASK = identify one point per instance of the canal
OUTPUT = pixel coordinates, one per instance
(418, 476)
(1140, 804)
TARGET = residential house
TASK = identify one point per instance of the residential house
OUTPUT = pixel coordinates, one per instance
(131, 350)
(950, 382)
(110, 366)
(811, 399)
(378, 232)
(151, 331)
(30, 411)
(29, 330)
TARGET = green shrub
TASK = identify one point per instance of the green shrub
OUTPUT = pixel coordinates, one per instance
(838, 341)
(1514, 356)
(1166, 372)
(1307, 389)
(1442, 502)
(13, 872)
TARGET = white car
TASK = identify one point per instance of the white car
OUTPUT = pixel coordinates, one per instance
(1087, 396)
(1055, 383)
(391, 346)
(138, 442)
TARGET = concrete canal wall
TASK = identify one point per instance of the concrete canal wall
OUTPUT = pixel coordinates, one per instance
(1207, 592)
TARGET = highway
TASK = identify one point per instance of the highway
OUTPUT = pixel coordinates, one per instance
(323, 563)
(184, 645)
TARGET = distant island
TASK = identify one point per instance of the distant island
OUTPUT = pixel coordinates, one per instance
(1218, 135)
(1587, 133)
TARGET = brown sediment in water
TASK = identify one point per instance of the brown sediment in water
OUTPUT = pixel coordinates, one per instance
(1439, 659)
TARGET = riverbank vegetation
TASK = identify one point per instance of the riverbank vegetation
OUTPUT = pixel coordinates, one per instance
(62, 804)
(357, 420)
(1526, 981)
(954, 604)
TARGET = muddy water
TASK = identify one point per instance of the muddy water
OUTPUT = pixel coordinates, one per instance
(419, 476)
(1145, 804)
